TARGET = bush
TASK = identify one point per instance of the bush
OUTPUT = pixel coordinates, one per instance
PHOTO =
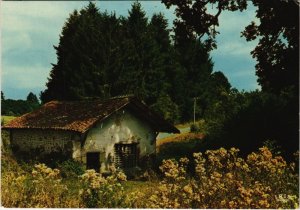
(194, 128)
(204, 127)
(224, 180)
(178, 149)
(71, 168)
(167, 108)
(42, 188)
(220, 179)
(263, 116)
(102, 192)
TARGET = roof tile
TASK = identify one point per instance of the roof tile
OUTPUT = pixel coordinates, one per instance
(79, 116)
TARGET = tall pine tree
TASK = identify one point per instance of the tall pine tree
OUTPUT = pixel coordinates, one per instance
(100, 55)
(82, 57)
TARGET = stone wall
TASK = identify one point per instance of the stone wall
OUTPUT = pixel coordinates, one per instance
(5, 142)
(43, 142)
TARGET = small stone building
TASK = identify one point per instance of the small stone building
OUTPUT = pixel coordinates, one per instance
(100, 133)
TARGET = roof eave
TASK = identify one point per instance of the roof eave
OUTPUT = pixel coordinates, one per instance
(41, 128)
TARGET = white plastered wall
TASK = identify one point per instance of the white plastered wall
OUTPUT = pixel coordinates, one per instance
(120, 127)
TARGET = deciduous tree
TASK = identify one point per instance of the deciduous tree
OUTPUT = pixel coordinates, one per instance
(277, 52)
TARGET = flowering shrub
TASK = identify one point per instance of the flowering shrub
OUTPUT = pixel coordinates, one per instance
(224, 180)
(44, 188)
(102, 192)
(40, 189)
(221, 179)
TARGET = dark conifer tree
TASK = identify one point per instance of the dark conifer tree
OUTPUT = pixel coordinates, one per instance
(196, 66)
(100, 55)
(81, 58)
(32, 98)
(2, 96)
(137, 47)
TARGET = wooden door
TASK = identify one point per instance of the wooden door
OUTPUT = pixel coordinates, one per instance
(93, 160)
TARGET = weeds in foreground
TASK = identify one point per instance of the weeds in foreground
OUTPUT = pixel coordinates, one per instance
(221, 179)
(224, 180)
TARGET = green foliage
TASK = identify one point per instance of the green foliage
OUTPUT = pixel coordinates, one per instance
(165, 107)
(207, 20)
(32, 98)
(277, 51)
(194, 77)
(16, 107)
(81, 57)
(38, 154)
(273, 147)
(195, 128)
(256, 117)
(2, 96)
(12, 107)
(180, 149)
(70, 168)
(100, 55)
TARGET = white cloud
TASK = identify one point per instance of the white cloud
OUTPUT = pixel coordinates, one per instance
(232, 24)
(235, 48)
(243, 73)
(27, 77)
(14, 41)
(20, 20)
(35, 9)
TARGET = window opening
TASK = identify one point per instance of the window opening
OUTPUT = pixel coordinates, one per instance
(126, 155)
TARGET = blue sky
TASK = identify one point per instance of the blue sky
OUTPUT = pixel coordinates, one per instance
(30, 29)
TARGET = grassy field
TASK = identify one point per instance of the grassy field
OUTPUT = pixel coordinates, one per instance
(183, 125)
(6, 119)
(179, 138)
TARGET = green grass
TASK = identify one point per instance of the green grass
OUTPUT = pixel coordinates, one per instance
(146, 187)
(7, 119)
(183, 125)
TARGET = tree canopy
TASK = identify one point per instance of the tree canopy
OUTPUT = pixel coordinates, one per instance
(100, 55)
(277, 52)
(12, 107)
(247, 120)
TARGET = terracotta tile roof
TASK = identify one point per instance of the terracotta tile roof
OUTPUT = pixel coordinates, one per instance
(79, 116)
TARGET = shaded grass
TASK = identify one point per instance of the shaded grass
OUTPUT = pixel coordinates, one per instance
(177, 150)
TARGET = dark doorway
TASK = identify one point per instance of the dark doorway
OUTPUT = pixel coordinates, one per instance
(126, 155)
(93, 160)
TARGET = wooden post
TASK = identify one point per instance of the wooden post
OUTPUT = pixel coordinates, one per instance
(194, 110)
(195, 98)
